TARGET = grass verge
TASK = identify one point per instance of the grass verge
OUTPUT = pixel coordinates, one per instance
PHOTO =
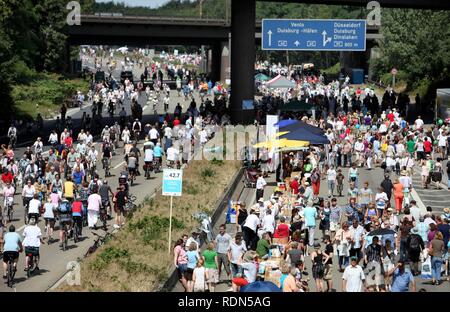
(137, 258)
(45, 94)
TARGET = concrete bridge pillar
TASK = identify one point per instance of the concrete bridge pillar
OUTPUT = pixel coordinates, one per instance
(242, 58)
(216, 60)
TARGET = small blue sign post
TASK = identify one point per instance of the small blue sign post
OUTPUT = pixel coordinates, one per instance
(313, 35)
(172, 185)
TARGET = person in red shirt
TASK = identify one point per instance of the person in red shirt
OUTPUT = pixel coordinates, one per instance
(176, 122)
(68, 142)
(427, 146)
(7, 176)
(390, 116)
(282, 230)
(294, 186)
(77, 213)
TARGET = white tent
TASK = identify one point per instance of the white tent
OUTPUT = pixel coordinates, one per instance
(280, 82)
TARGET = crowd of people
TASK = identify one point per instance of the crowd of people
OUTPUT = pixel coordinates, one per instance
(62, 186)
(380, 240)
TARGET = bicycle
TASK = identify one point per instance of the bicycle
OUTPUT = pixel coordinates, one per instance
(76, 232)
(32, 261)
(156, 166)
(9, 211)
(66, 231)
(104, 217)
(148, 169)
(99, 241)
(132, 176)
(107, 167)
(11, 272)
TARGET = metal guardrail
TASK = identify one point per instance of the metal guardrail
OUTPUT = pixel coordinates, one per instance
(121, 18)
(153, 20)
(220, 206)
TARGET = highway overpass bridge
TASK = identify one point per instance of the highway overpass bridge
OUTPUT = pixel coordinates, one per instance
(241, 34)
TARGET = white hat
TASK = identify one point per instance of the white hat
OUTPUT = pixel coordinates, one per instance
(261, 200)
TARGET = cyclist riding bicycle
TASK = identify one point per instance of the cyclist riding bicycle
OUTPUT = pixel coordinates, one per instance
(8, 195)
(11, 248)
(106, 155)
(131, 164)
(12, 135)
(65, 218)
(106, 135)
(32, 241)
(137, 127)
(157, 152)
(77, 214)
(34, 207)
(28, 193)
(104, 192)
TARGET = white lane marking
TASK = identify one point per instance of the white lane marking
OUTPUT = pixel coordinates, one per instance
(122, 163)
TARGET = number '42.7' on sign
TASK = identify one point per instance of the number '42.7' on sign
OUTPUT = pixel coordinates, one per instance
(172, 182)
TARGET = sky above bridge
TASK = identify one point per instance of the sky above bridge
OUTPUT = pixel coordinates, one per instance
(146, 3)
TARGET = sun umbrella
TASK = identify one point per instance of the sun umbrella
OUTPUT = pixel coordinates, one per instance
(281, 144)
(305, 135)
(301, 125)
(260, 287)
(285, 122)
(381, 232)
(261, 77)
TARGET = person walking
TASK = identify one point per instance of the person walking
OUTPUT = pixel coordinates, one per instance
(310, 214)
(250, 228)
(436, 251)
(223, 241)
(398, 195)
(318, 268)
(211, 264)
(331, 180)
(180, 261)
(260, 184)
(402, 278)
(353, 279)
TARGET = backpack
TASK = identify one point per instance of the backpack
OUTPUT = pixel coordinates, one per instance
(64, 207)
(414, 243)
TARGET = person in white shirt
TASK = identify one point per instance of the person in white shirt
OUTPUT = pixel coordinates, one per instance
(33, 207)
(89, 138)
(428, 220)
(82, 136)
(331, 179)
(268, 222)
(415, 211)
(260, 183)
(173, 154)
(203, 137)
(168, 132)
(418, 124)
(236, 251)
(353, 279)
(148, 155)
(250, 228)
(53, 138)
(32, 241)
(38, 146)
(153, 135)
(359, 149)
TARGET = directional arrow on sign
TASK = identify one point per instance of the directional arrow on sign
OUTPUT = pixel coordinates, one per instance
(296, 43)
(325, 39)
(270, 37)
